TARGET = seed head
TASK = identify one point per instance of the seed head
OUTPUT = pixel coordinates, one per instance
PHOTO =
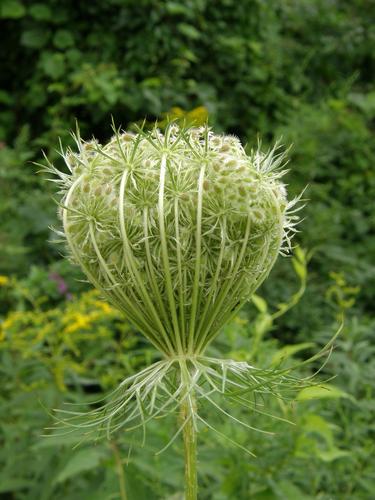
(177, 229)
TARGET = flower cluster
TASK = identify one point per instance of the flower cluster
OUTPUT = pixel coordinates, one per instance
(177, 229)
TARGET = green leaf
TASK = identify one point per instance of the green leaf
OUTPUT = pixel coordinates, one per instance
(188, 30)
(317, 424)
(287, 490)
(9, 484)
(5, 98)
(177, 9)
(34, 39)
(266, 494)
(299, 268)
(332, 454)
(259, 303)
(40, 12)
(53, 64)
(322, 391)
(262, 324)
(289, 350)
(73, 55)
(63, 39)
(84, 460)
(11, 9)
(300, 254)
(317, 439)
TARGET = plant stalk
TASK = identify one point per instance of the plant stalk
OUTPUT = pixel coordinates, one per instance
(119, 470)
(190, 447)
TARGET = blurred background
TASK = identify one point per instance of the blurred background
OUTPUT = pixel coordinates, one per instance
(300, 70)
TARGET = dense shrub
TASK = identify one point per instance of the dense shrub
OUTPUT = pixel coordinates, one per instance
(257, 67)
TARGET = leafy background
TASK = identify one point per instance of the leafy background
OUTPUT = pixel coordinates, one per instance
(297, 69)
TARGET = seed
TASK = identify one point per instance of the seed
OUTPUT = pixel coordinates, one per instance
(252, 189)
(242, 191)
(231, 164)
(223, 180)
(216, 142)
(258, 215)
(127, 137)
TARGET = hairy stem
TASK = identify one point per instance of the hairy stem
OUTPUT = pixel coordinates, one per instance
(190, 448)
(188, 411)
(119, 470)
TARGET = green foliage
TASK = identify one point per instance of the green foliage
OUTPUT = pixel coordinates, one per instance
(26, 210)
(299, 68)
(77, 351)
(341, 177)
(302, 69)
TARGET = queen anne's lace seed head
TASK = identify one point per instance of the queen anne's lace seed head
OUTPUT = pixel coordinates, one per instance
(176, 229)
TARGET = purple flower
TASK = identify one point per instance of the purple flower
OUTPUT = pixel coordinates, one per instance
(61, 284)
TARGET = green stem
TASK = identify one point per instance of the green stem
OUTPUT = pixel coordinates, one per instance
(190, 448)
(187, 415)
(119, 470)
(165, 257)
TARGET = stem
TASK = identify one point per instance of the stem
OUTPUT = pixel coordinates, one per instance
(198, 253)
(120, 470)
(165, 257)
(188, 411)
(190, 448)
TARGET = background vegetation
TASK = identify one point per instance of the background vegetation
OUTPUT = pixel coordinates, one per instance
(300, 69)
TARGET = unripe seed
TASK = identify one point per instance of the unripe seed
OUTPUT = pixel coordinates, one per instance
(223, 180)
(258, 215)
(225, 147)
(242, 191)
(216, 142)
(231, 164)
(127, 137)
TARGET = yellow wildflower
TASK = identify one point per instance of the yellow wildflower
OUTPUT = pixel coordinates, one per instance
(104, 306)
(81, 321)
(4, 280)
